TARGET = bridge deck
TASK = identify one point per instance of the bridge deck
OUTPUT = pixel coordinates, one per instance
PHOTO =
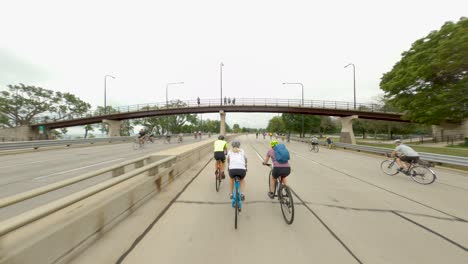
(350, 213)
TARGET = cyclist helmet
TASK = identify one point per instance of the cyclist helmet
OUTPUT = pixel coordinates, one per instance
(397, 141)
(235, 144)
(221, 137)
(273, 143)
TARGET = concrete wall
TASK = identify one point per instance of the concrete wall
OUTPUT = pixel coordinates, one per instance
(451, 129)
(21, 133)
(58, 237)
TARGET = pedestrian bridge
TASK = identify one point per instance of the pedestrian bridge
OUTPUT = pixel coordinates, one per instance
(246, 105)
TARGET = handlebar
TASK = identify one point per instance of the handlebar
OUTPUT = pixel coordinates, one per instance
(267, 164)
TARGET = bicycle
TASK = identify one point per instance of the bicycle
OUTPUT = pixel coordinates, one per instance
(236, 202)
(179, 139)
(314, 147)
(218, 175)
(283, 192)
(167, 140)
(138, 143)
(418, 172)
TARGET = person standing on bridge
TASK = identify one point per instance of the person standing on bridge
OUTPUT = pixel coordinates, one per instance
(234, 101)
(225, 100)
(198, 101)
(229, 100)
(237, 166)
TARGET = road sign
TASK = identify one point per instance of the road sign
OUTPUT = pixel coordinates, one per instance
(41, 130)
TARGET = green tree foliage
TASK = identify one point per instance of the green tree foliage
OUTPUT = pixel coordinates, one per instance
(236, 128)
(276, 124)
(126, 129)
(173, 123)
(430, 83)
(293, 123)
(21, 104)
(88, 128)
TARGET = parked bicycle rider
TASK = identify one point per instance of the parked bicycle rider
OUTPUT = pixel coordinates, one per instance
(279, 169)
(329, 142)
(237, 166)
(407, 154)
(220, 150)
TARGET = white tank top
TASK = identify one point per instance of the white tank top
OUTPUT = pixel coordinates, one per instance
(236, 160)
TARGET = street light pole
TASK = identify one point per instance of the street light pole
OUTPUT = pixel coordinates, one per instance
(354, 82)
(302, 87)
(167, 86)
(221, 81)
(105, 88)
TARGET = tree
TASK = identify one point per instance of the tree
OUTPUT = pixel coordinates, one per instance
(276, 124)
(22, 104)
(430, 82)
(87, 128)
(173, 123)
(236, 128)
(293, 122)
(126, 129)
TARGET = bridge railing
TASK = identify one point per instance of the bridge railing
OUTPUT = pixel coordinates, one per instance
(175, 104)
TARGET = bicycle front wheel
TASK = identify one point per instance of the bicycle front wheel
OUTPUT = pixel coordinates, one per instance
(311, 147)
(287, 204)
(236, 207)
(389, 167)
(136, 144)
(422, 175)
(316, 148)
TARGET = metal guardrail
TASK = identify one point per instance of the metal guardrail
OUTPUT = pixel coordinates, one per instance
(320, 104)
(61, 142)
(430, 157)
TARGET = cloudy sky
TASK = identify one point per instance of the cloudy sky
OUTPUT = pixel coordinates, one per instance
(71, 45)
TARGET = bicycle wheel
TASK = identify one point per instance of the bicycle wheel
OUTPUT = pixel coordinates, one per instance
(422, 175)
(316, 148)
(311, 147)
(287, 204)
(217, 180)
(236, 207)
(389, 167)
(136, 144)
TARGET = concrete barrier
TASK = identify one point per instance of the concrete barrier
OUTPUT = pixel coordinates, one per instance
(58, 231)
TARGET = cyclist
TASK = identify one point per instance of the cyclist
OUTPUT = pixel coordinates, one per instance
(220, 149)
(329, 142)
(407, 154)
(237, 166)
(142, 135)
(168, 137)
(256, 134)
(180, 138)
(314, 141)
(279, 169)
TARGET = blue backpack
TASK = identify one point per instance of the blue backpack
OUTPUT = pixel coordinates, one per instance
(281, 153)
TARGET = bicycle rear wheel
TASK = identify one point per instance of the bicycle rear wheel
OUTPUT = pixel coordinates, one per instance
(217, 179)
(422, 175)
(389, 167)
(287, 204)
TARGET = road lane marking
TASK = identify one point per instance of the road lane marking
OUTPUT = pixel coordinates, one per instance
(14, 165)
(80, 168)
(299, 155)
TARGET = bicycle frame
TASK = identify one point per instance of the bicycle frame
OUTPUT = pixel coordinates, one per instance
(236, 198)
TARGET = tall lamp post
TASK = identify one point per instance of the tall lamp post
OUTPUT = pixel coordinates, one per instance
(167, 86)
(221, 65)
(354, 82)
(105, 88)
(302, 87)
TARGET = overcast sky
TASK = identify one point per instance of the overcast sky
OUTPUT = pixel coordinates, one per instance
(71, 45)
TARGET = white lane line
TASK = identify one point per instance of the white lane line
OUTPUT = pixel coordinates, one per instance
(259, 157)
(15, 165)
(80, 168)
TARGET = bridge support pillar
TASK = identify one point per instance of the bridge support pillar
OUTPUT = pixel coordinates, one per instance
(347, 134)
(114, 127)
(222, 126)
(451, 130)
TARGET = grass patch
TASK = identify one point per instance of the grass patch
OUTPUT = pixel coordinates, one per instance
(445, 151)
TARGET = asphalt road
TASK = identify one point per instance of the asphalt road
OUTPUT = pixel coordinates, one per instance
(347, 211)
(25, 171)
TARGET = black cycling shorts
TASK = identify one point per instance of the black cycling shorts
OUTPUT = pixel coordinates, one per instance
(409, 159)
(219, 155)
(313, 143)
(281, 171)
(237, 172)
